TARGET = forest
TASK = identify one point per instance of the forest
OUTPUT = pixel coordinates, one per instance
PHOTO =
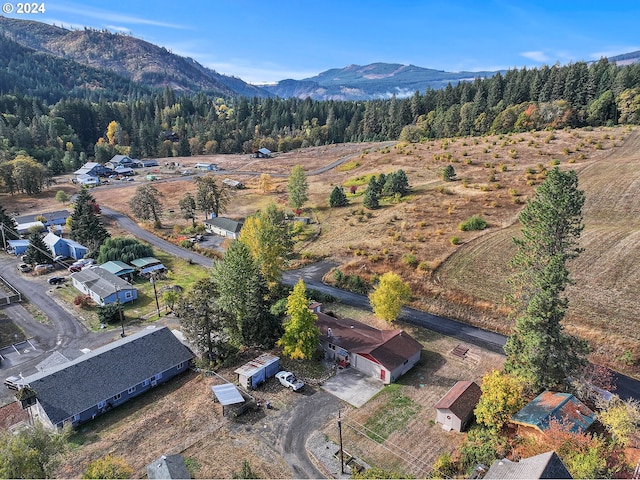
(121, 117)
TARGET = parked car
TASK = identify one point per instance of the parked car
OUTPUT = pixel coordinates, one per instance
(43, 267)
(12, 382)
(56, 280)
(77, 266)
(289, 380)
(24, 268)
(59, 258)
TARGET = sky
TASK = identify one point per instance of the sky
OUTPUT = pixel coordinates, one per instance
(262, 41)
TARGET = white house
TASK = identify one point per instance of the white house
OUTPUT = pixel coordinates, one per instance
(223, 227)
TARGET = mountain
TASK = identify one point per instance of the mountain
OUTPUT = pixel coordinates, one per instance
(136, 59)
(626, 58)
(373, 81)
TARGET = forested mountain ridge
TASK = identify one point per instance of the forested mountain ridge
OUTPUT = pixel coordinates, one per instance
(130, 57)
(373, 81)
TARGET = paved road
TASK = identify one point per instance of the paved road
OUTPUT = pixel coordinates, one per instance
(626, 387)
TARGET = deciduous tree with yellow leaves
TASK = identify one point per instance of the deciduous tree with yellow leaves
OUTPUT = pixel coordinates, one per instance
(301, 335)
(389, 297)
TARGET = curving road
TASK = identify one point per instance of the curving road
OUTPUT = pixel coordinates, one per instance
(626, 387)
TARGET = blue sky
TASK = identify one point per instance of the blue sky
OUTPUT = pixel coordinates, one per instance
(270, 40)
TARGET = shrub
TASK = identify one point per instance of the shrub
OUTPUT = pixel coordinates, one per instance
(410, 260)
(186, 244)
(455, 240)
(109, 313)
(474, 223)
(82, 301)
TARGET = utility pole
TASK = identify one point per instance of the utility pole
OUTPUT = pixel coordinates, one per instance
(153, 282)
(4, 240)
(340, 436)
(120, 311)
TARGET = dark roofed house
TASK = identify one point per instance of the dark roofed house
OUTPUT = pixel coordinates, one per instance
(168, 467)
(223, 227)
(383, 354)
(564, 408)
(93, 383)
(545, 465)
(455, 409)
(57, 217)
(103, 286)
(93, 169)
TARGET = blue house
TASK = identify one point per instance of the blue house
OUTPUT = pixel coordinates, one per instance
(78, 391)
(57, 217)
(17, 247)
(103, 287)
(64, 246)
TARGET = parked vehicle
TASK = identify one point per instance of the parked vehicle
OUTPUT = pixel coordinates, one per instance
(12, 382)
(77, 266)
(24, 268)
(289, 380)
(59, 258)
(56, 280)
(43, 267)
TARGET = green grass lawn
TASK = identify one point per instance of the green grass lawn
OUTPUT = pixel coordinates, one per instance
(179, 272)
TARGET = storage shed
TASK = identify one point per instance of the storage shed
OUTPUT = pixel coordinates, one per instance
(455, 409)
(254, 373)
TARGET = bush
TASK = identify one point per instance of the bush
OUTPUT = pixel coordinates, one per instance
(109, 313)
(410, 260)
(186, 244)
(474, 223)
(82, 301)
(455, 240)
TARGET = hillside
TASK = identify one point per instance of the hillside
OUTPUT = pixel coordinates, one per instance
(125, 55)
(373, 81)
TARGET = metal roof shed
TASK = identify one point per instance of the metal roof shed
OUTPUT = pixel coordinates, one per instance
(271, 364)
(251, 375)
(227, 394)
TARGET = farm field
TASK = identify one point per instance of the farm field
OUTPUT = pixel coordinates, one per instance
(453, 273)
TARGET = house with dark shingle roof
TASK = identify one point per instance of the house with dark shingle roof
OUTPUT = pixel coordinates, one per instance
(545, 465)
(223, 227)
(168, 467)
(96, 382)
(383, 354)
(103, 286)
(537, 416)
(455, 409)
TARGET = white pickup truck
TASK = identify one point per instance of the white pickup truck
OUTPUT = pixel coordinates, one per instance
(289, 380)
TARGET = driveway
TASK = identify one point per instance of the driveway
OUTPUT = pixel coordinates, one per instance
(352, 386)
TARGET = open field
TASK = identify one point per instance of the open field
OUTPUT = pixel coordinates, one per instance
(495, 177)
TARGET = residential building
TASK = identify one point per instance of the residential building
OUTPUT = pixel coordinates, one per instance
(383, 354)
(223, 227)
(98, 381)
(209, 167)
(168, 467)
(546, 465)
(102, 286)
(64, 246)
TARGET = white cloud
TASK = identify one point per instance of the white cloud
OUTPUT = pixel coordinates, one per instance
(80, 11)
(536, 56)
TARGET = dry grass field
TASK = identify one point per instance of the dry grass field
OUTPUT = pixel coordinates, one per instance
(414, 237)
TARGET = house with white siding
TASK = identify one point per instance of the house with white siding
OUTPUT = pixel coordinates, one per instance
(382, 354)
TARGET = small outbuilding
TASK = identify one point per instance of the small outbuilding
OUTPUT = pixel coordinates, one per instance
(455, 409)
(254, 373)
(263, 153)
(118, 268)
(538, 415)
(208, 167)
(148, 265)
(17, 247)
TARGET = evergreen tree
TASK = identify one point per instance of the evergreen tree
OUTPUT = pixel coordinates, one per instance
(397, 182)
(203, 322)
(448, 173)
(539, 351)
(337, 197)
(297, 188)
(371, 198)
(301, 336)
(240, 294)
(37, 251)
(85, 223)
(8, 226)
